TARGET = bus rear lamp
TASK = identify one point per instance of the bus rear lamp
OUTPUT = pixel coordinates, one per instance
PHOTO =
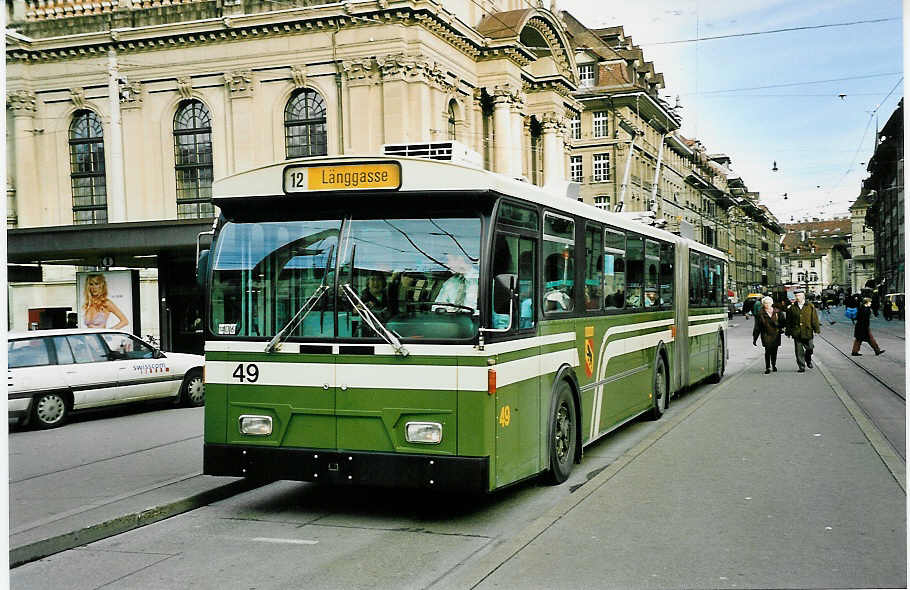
(429, 433)
(256, 425)
(491, 381)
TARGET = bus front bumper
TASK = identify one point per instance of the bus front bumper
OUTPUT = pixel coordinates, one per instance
(447, 473)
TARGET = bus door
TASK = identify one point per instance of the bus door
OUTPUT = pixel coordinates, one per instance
(517, 367)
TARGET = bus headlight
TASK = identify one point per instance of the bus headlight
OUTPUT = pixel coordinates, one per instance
(256, 425)
(429, 433)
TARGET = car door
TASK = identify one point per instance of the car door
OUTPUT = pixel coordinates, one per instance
(139, 374)
(30, 371)
(91, 375)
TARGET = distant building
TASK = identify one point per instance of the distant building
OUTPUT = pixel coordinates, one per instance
(816, 254)
(862, 246)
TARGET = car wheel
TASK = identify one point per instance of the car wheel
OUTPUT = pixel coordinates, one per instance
(562, 434)
(193, 391)
(49, 410)
(661, 390)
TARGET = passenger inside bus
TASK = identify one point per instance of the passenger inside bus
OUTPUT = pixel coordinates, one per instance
(460, 289)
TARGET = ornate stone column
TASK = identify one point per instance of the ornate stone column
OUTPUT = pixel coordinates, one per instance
(554, 168)
(517, 150)
(23, 180)
(502, 130)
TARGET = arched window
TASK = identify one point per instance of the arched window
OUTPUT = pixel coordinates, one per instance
(304, 125)
(193, 160)
(86, 140)
(452, 120)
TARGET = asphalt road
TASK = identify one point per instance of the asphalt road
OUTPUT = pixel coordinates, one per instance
(291, 534)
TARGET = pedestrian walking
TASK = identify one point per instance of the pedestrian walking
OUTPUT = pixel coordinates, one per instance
(876, 302)
(802, 325)
(768, 325)
(826, 309)
(861, 332)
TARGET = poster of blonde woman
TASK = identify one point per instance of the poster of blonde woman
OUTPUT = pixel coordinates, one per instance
(105, 299)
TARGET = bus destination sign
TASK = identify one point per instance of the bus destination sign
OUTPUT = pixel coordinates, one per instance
(342, 177)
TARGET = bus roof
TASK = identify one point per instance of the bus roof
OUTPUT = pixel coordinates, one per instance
(425, 175)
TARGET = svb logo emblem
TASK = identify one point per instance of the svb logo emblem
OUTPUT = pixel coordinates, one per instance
(589, 350)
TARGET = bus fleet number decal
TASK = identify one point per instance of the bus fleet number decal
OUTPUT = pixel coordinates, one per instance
(249, 373)
(505, 416)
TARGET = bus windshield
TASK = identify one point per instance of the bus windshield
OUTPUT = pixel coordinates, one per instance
(419, 277)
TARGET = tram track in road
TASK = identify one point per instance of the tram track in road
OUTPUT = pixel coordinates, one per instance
(865, 370)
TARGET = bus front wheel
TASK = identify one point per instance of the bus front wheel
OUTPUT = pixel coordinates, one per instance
(563, 438)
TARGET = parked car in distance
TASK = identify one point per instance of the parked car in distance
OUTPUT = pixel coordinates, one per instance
(55, 372)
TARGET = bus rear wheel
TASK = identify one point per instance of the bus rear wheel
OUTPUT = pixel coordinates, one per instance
(720, 361)
(661, 389)
(563, 439)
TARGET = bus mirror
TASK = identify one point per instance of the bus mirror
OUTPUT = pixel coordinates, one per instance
(505, 282)
(202, 267)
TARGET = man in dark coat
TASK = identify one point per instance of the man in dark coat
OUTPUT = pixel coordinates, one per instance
(861, 332)
(802, 325)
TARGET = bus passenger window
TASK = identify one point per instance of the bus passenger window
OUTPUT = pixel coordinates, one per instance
(652, 263)
(634, 271)
(505, 266)
(695, 287)
(527, 267)
(614, 269)
(594, 268)
(559, 263)
(666, 274)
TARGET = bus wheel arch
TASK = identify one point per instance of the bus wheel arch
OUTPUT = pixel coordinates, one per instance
(564, 391)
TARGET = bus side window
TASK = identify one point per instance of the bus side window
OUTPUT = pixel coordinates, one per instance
(652, 282)
(695, 283)
(559, 263)
(635, 263)
(505, 265)
(614, 263)
(594, 268)
(666, 274)
(527, 279)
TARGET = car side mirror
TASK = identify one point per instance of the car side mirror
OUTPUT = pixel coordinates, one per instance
(158, 354)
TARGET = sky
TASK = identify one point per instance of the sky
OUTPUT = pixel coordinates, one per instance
(774, 96)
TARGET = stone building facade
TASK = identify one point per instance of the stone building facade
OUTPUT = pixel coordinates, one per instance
(884, 189)
(120, 115)
(861, 266)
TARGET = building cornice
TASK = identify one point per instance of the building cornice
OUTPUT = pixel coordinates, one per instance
(290, 21)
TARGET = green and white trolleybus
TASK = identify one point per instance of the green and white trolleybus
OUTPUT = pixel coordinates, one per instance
(401, 321)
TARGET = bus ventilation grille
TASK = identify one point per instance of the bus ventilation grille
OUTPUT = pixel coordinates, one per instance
(448, 151)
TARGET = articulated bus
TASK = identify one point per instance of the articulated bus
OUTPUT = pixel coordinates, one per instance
(398, 321)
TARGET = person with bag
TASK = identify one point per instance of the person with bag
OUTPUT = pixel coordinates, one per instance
(861, 332)
(802, 325)
(768, 325)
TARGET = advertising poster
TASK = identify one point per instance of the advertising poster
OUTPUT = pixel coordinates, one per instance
(105, 299)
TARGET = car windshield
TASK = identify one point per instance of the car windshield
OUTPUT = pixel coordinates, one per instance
(417, 276)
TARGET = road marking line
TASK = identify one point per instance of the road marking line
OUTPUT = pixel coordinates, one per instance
(287, 541)
(875, 437)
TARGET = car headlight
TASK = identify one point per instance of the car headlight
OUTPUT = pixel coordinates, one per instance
(256, 425)
(429, 433)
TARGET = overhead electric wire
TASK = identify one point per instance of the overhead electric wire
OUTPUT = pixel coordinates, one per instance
(770, 31)
(794, 83)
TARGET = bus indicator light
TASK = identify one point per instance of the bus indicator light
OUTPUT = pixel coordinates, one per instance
(491, 381)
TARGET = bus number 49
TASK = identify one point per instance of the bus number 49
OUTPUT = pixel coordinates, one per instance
(249, 373)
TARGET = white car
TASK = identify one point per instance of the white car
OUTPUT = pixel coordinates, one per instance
(55, 372)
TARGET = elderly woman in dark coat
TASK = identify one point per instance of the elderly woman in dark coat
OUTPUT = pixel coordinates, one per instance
(861, 332)
(768, 324)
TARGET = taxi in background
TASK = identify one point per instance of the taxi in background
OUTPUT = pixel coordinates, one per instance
(53, 373)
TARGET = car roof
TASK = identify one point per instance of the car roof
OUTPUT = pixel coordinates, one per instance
(61, 332)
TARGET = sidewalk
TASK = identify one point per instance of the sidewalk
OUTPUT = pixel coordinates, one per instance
(767, 482)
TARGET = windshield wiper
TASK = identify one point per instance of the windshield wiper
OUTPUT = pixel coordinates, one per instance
(305, 309)
(292, 324)
(372, 321)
